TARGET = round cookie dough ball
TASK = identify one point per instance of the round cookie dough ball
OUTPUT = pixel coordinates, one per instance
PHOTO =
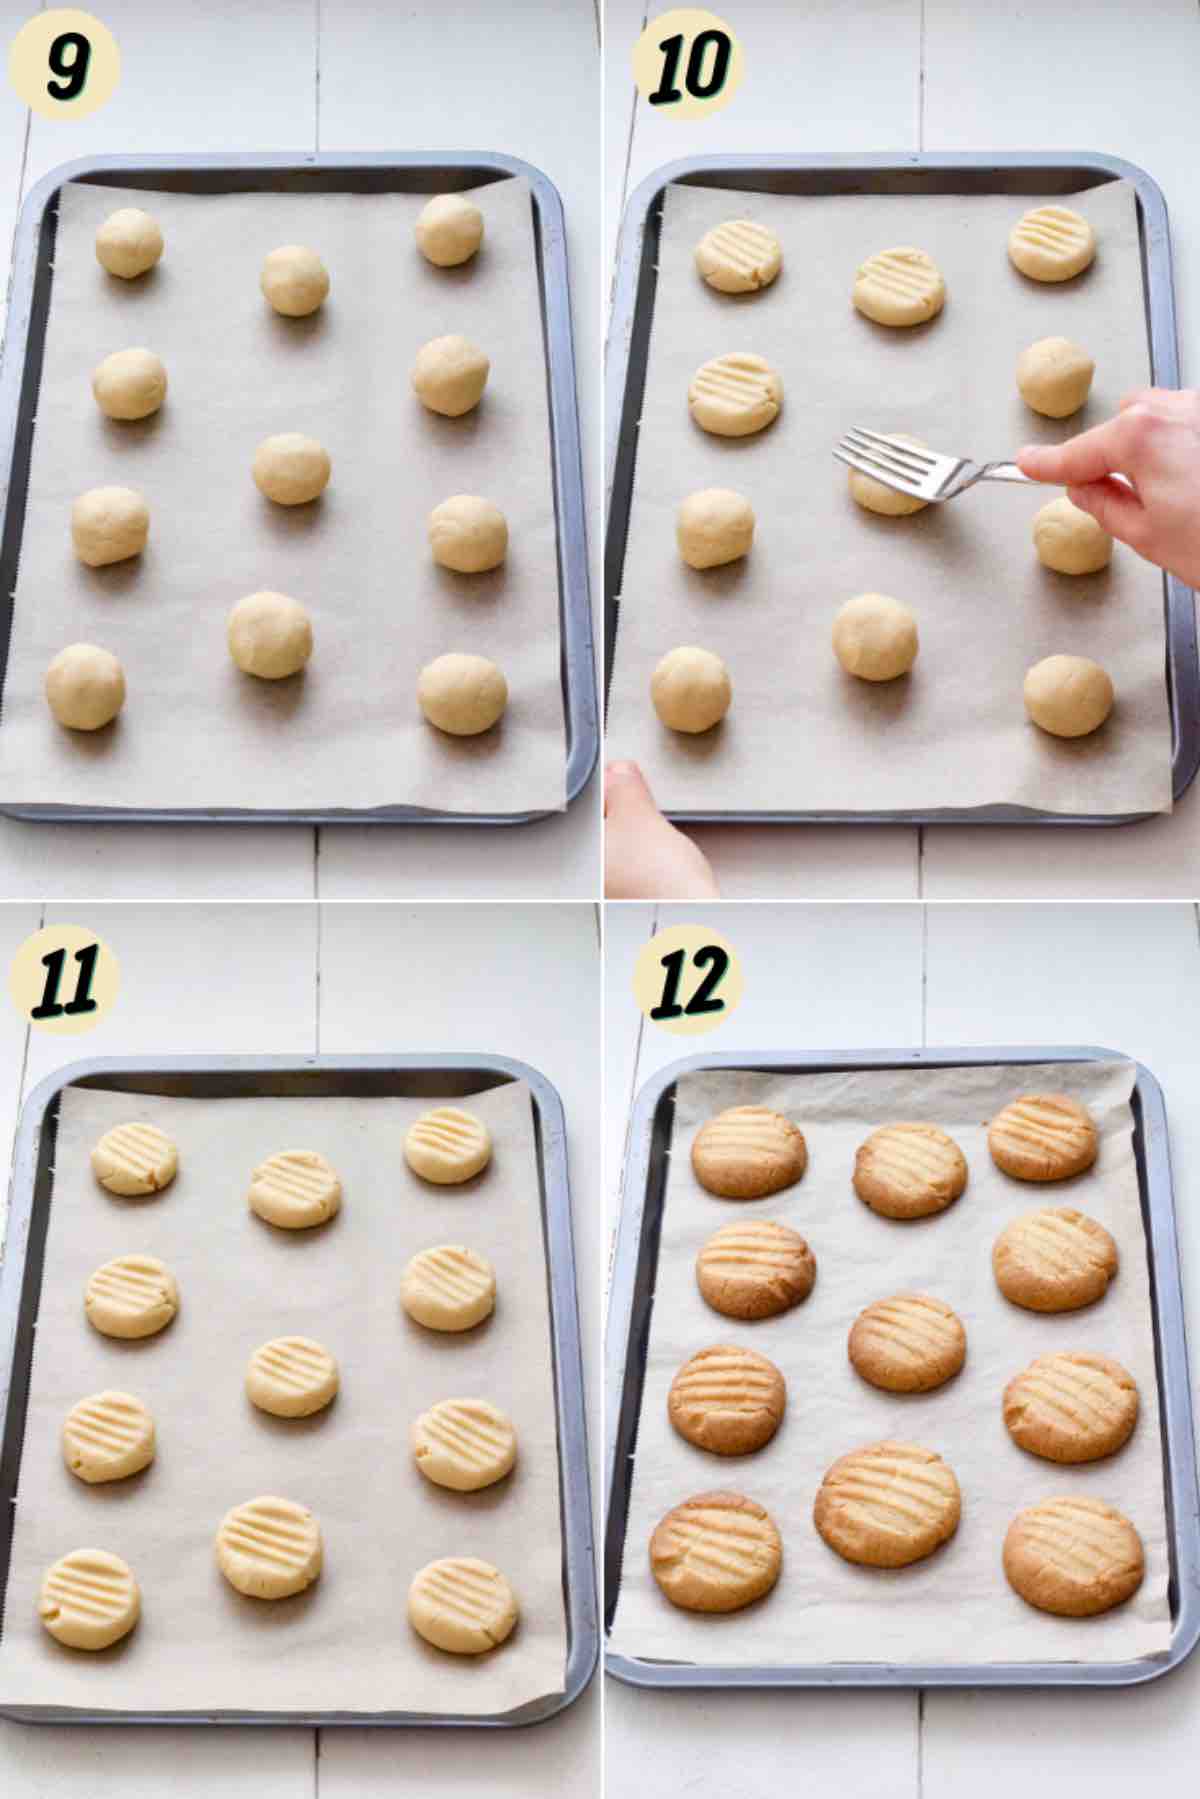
(875, 496)
(739, 257)
(735, 395)
(1068, 696)
(129, 242)
(1055, 376)
(291, 469)
(85, 687)
(270, 635)
(468, 534)
(462, 694)
(875, 637)
(449, 230)
(449, 375)
(714, 526)
(130, 384)
(691, 689)
(1070, 540)
(1051, 243)
(899, 287)
(109, 524)
(294, 280)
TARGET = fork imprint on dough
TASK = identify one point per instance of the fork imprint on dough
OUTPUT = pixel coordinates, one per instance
(887, 1505)
(909, 1170)
(738, 256)
(727, 1399)
(1073, 1556)
(1043, 1137)
(291, 1377)
(269, 1547)
(448, 1288)
(716, 1552)
(1052, 243)
(909, 1343)
(464, 1444)
(89, 1599)
(462, 1605)
(735, 395)
(755, 1268)
(748, 1152)
(107, 1436)
(1071, 1406)
(1055, 1260)
(135, 1159)
(131, 1296)
(295, 1190)
(899, 287)
(447, 1145)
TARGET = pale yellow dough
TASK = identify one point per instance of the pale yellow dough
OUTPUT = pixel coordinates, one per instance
(899, 287)
(1054, 377)
(448, 1288)
(735, 395)
(89, 1599)
(269, 1548)
(449, 375)
(295, 1190)
(714, 526)
(107, 1436)
(1070, 540)
(131, 1296)
(294, 280)
(875, 637)
(739, 257)
(109, 524)
(130, 384)
(462, 1605)
(875, 496)
(85, 687)
(464, 1444)
(129, 242)
(1051, 243)
(468, 534)
(269, 635)
(291, 1377)
(449, 230)
(448, 1145)
(462, 694)
(135, 1159)
(691, 690)
(291, 469)
(1068, 696)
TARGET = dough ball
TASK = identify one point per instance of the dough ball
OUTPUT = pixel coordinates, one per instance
(876, 497)
(294, 280)
(89, 1599)
(739, 256)
(691, 689)
(1051, 243)
(714, 526)
(1055, 376)
(449, 230)
(109, 524)
(129, 242)
(468, 534)
(461, 694)
(270, 635)
(449, 375)
(291, 469)
(1069, 696)
(899, 287)
(875, 637)
(85, 687)
(1070, 540)
(735, 395)
(130, 384)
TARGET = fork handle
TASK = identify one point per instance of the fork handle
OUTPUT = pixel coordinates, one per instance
(1004, 471)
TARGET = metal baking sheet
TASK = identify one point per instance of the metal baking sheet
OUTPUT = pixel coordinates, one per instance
(408, 172)
(196, 1077)
(1033, 172)
(631, 1302)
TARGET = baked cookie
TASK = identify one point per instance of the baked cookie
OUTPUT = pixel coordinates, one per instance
(1051, 243)
(464, 1444)
(1074, 1557)
(735, 395)
(1071, 1406)
(269, 1548)
(716, 1553)
(727, 1399)
(748, 1152)
(909, 1343)
(1043, 1137)
(107, 1436)
(135, 1159)
(295, 1190)
(909, 1171)
(449, 1288)
(739, 257)
(447, 1146)
(132, 1296)
(887, 1505)
(1055, 1260)
(89, 1599)
(755, 1269)
(462, 1605)
(291, 1377)
(899, 287)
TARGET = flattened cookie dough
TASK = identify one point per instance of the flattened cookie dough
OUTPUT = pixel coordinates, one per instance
(89, 1599)
(1043, 1137)
(291, 1377)
(887, 1505)
(447, 1146)
(135, 1159)
(910, 1343)
(755, 1268)
(717, 1552)
(735, 395)
(295, 1190)
(728, 1400)
(739, 257)
(909, 1170)
(1074, 1557)
(1054, 1260)
(131, 1296)
(107, 1436)
(1051, 243)
(748, 1152)
(1072, 1406)
(899, 287)
(464, 1444)
(448, 1288)
(462, 1605)
(269, 1548)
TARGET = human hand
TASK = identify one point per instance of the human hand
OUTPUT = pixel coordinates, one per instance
(644, 856)
(1154, 441)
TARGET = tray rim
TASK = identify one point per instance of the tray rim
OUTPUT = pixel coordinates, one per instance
(578, 1539)
(1180, 1473)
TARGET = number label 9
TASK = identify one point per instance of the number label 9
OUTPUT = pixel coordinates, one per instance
(64, 63)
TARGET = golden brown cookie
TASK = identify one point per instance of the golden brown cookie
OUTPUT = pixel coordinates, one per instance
(748, 1152)
(727, 1399)
(909, 1170)
(1055, 1260)
(716, 1553)
(1043, 1137)
(1071, 1406)
(887, 1505)
(909, 1343)
(1074, 1557)
(755, 1269)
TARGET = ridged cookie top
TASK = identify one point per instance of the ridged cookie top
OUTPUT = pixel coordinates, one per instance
(887, 1505)
(447, 1145)
(291, 1377)
(902, 286)
(295, 1190)
(1054, 1260)
(1071, 1406)
(748, 1152)
(716, 1553)
(727, 1399)
(1052, 243)
(131, 1296)
(89, 1599)
(739, 256)
(735, 395)
(107, 1436)
(1043, 1137)
(462, 1605)
(464, 1444)
(134, 1159)
(909, 1170)
(1073, 1556)
(448, 1288)
(909, 1343)
(269, 1547)
(755, 1268)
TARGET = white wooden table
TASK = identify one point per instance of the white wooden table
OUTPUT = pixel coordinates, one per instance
(287, 979)
(866, 976)
(335, 75)
(944, 75)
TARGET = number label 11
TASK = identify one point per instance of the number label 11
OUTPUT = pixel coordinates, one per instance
(63, 979)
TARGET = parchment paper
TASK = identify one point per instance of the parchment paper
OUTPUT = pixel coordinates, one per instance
(801, 735)
(345, 1644)
(956, 1606)
(196, 732)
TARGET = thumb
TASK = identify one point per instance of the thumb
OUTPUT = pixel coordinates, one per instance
(1088, 457)
(625, 791)
(1115, 507)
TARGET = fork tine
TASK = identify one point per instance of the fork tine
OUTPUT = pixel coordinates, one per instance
(871, 440)
(870, 465)
(881, 459)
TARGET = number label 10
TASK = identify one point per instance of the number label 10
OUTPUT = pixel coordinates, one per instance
(687, 979)
(687, 63)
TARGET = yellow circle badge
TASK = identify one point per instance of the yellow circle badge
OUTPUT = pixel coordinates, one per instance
(688, 979)
(64, 63)
(64, 979)
(687, 63)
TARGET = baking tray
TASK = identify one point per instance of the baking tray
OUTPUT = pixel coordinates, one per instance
(197, 1077)
(1032, 172)
(432, 172)
(631, 1302)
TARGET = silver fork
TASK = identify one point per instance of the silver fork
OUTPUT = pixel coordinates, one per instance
(924, 474)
